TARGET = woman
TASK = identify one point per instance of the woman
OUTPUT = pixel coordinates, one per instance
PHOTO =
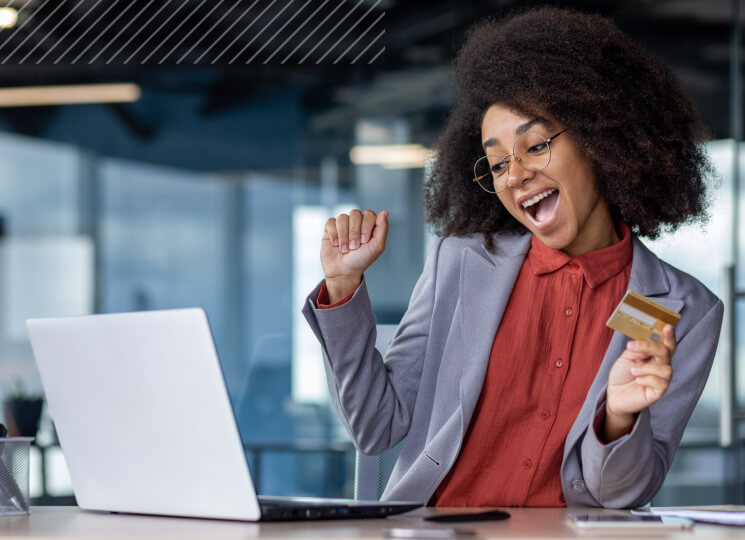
(503, 378)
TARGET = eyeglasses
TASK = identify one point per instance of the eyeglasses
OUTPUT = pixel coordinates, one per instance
(532, 151)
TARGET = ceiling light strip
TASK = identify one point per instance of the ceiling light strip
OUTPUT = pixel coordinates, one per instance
(29, 96)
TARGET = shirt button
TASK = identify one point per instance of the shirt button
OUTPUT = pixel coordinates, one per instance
(578, 486)
(559, 363)
(568, 312)
(546, 413)
(573, 266)
(527, 464)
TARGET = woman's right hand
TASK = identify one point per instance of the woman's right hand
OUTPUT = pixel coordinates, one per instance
(350, 244)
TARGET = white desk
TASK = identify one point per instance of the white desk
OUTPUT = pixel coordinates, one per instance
(525, 523)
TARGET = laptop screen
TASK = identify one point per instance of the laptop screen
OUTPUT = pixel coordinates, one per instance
(143, 414)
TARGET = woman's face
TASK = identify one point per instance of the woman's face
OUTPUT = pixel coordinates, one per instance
(570, 214)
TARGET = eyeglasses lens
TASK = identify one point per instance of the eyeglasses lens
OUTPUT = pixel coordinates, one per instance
(531, 151)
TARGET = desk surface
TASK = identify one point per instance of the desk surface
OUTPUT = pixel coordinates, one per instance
(527, 523)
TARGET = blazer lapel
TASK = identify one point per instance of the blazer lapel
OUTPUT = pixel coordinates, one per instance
(648, 278)
(486, 282)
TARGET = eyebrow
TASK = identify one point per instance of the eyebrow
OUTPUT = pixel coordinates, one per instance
(521, 129)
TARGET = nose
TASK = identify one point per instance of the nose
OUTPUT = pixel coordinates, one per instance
(517, 176)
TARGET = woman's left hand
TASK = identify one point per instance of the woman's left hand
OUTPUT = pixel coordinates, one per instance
(638, 379)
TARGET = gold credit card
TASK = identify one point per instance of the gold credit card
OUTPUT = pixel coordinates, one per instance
(640, 318)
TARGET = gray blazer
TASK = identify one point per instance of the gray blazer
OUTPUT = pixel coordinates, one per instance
(426, 388)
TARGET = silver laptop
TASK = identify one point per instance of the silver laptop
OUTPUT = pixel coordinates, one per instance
(146, 424)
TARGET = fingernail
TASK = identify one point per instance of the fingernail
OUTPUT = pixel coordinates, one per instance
(635, 371)
(336, 241)
(344, 248)
(353, 244)
(632, 345)
(364, 238)
(638, 380)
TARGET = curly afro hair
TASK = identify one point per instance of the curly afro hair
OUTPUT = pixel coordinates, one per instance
(623, 108)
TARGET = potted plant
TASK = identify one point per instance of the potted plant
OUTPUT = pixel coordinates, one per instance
(22, 412)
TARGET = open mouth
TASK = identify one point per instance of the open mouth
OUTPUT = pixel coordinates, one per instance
(542, 208)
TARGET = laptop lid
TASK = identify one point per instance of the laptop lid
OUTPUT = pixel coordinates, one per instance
(143, 415)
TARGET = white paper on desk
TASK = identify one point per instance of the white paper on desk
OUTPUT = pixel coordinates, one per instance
(723, 515)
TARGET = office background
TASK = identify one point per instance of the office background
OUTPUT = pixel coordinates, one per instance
(211, 189)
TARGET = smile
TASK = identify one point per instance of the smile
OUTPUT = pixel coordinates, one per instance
(540, 196)
(542, 208)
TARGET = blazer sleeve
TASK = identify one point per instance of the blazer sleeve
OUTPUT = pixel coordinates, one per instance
(629, 471)
(375, 397)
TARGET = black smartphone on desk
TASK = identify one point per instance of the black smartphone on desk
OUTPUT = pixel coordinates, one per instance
(430, 533)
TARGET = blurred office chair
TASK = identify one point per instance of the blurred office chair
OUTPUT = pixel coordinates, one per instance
(371, 473)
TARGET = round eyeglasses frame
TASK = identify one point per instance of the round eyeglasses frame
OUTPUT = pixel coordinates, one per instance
(505, 159)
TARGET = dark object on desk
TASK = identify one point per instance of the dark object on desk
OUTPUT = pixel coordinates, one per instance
(489, 515)
(22, 415)
(430, 533)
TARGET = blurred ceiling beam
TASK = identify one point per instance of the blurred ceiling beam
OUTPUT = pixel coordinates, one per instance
(391, 95)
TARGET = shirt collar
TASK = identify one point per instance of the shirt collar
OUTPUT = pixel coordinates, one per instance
(597, 266)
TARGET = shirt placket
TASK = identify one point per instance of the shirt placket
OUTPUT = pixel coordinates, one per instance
(559, 362)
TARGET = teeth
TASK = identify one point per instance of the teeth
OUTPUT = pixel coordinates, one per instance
(531, 202)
